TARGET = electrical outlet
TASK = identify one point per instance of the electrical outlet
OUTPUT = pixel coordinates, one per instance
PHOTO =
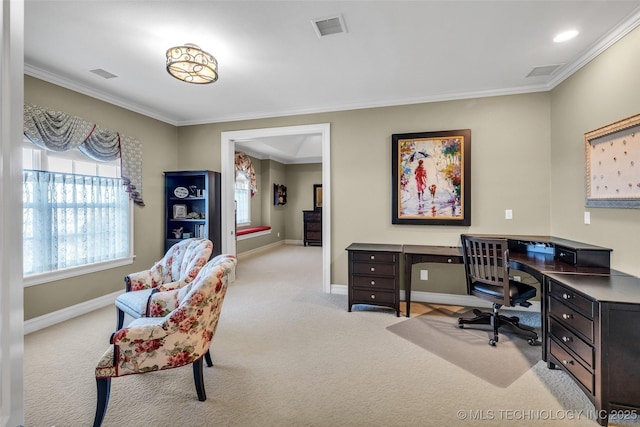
(278, 234)
(424, 274)
(587, 218)
(508, 214)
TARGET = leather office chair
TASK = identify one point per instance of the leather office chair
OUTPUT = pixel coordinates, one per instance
(486, 263)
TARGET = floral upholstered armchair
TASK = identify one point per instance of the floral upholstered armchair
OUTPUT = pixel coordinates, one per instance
(180, 338)
(177, 268)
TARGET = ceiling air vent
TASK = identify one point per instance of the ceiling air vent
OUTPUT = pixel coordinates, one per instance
(329, 25)
(103, 73)
(543, 71)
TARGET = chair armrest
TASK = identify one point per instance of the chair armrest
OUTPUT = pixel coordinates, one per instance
(139, 281)
(162, 303)
(170, 286)
(139, 331)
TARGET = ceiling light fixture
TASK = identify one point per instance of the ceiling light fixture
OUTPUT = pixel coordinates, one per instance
(191, 64)
(567, 35)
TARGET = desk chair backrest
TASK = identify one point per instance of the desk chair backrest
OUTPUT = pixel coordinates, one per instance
(486, 261)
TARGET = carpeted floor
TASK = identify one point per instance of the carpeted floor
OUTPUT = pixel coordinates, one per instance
(288, 355)
(468, 348)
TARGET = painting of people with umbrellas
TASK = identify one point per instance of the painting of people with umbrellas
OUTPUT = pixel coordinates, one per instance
(431, 172)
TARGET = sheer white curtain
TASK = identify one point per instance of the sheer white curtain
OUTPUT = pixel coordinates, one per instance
(71, 220)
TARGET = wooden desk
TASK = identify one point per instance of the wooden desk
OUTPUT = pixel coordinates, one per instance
(414, 254)
(590, 315)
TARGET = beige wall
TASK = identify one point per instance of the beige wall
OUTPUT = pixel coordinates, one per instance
(527, 155)
(300, 181)
(604, 91)
(510, 167)
(159, 154)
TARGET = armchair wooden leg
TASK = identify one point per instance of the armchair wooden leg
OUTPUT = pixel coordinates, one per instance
(120, 320)
(199, 380)
(207, 358)
(103, 386)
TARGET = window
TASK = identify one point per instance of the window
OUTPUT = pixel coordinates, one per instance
(243, 199)
(77, 216)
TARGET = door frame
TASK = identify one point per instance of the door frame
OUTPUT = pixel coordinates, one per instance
(227, 169)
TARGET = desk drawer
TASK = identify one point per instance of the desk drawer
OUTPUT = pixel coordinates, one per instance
(313, 226)
(572, 341)
(365, 296)
(367, 282)
(571, 298)
(570, 318)
(375, 257)
(572, 365)
(374, 269)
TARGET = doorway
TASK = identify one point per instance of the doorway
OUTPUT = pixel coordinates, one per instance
(227, 171)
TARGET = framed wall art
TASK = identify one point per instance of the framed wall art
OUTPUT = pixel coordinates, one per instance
(179, 211)
(613, 165)
(431, 173)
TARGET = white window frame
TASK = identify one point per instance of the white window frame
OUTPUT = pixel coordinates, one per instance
(39, 162)
(242, 177)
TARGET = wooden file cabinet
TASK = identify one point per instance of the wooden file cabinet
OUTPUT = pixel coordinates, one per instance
(593, 335)
(374, 275)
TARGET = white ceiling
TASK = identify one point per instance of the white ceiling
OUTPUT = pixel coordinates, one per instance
(273, 63)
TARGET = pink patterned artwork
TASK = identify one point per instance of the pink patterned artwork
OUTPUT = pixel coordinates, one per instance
(613, 165)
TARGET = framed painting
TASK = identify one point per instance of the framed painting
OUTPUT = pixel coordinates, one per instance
(431, 174)
(613, 165)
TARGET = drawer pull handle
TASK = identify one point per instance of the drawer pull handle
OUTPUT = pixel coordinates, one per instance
(567, 339)
(567, 316)
(566, 296)
(373, 282)
(373, 257)
(449, 260)
(373, 269)
(373, 296)
(567, 362)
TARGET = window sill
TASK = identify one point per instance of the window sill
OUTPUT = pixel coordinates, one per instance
(251, 232)
(51, 276)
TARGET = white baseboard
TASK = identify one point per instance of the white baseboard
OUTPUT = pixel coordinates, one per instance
(440, 298)
(260, 249)
(67, 313)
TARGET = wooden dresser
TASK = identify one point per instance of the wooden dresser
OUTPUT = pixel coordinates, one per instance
(312, 223)
(593, 335)
(374, 275)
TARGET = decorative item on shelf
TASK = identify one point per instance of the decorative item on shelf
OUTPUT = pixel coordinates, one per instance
(181, 192)
(191, 64)
(186, 235)
(279, 194)
(193, 215)
(179, 211)
(177, 232)
(193, 191)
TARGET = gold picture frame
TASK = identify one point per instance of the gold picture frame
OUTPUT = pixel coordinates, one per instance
(612, 156)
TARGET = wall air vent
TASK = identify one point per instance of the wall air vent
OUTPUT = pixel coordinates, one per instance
(330, 25)
(103, 73)
(543, 71)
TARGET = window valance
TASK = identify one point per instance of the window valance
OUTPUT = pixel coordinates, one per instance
(243, 163)
(58, 131)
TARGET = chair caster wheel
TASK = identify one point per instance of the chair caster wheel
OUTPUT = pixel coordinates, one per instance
(492, 343)
(460, 325)
(532, 341)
